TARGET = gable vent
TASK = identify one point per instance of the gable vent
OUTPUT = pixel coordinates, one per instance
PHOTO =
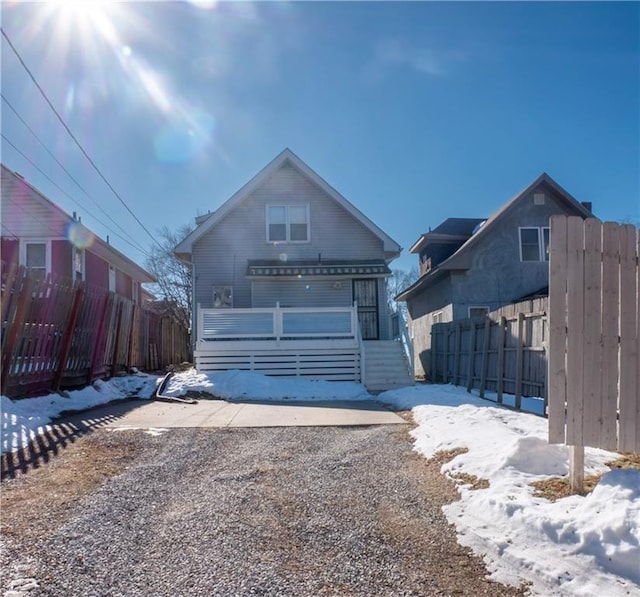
(538, 199)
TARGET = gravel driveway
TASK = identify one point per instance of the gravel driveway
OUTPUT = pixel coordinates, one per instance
(284, 511)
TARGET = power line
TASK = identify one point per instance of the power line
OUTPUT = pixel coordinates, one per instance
(75, 140)
(136, 247)
(10, 231)
(66, 172)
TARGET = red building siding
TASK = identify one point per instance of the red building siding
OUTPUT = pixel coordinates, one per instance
(96, 270)
(9, 253)
(124, 284)
(61, 258)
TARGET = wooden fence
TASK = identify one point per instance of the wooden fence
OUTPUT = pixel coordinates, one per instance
(504, 352)
(57, 334)
(594, 344)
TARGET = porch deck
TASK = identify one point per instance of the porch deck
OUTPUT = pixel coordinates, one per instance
(318, 343)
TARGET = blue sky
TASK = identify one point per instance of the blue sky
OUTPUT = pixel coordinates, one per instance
(414, 111)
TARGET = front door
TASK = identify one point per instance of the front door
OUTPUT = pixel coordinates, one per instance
(365, 294)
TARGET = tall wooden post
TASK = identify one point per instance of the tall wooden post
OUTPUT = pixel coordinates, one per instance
(70, 330)
(16, 323)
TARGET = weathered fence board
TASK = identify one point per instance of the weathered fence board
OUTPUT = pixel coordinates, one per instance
(594, 355)
(57, 334)
(500, 353)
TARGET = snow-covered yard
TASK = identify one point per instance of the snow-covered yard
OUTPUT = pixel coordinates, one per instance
(576, 546)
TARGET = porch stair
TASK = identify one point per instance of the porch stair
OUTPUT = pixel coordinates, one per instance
(386, 365)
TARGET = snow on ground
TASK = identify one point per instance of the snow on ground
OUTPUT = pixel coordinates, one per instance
(23, 419)
(576, 546)
(247, 385)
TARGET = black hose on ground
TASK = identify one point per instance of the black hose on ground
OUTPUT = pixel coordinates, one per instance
(158, 395)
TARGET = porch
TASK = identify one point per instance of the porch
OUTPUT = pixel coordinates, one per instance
(317, 343)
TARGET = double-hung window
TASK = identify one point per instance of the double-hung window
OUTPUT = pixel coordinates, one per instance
(534, 244)
(287, 223)
(36, 256)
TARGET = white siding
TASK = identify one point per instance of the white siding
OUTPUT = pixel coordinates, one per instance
(221, 256)
(303, 292)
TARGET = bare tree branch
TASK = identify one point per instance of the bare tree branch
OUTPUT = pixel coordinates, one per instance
(396, 283)
(173, 289)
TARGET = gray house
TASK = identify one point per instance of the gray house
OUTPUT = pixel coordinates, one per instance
(289, 279)
(470, 266)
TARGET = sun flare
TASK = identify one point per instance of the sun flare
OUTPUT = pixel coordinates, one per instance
(85, 16)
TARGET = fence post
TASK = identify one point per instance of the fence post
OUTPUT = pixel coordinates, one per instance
(116, 343)
(433, 354)
(576, 468)
(70, 330)
(472, 352)
(519, 360)
(445, 350)
(485, 355)
(16, 323)
(456, 355)
(99, 337)
(501, 337)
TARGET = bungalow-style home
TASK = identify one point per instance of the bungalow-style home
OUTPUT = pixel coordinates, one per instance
(471, 266)
(39, 235)
(289, 279)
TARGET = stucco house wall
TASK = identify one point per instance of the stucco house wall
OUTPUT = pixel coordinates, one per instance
(488, 271)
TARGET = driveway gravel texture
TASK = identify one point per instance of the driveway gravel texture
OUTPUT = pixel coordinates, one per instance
(263, 511)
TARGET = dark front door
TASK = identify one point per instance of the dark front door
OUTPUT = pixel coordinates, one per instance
(365, 293)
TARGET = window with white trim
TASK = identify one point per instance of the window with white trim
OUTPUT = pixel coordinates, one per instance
(534, 243)
(112, 278)
(287, 223)
(436, 317)
(36, 256)
(78, 264)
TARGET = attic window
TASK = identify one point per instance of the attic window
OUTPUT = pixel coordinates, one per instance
(288, 223)
(538, 199)
(534, 244)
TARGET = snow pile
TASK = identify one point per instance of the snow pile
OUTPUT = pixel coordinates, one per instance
(248, 385)
(23, 419)
(575, 546)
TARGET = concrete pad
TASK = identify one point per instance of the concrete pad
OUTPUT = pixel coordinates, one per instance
(144, 414)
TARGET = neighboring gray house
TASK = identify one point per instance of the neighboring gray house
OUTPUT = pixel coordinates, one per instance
(277, 270)
(470, 266)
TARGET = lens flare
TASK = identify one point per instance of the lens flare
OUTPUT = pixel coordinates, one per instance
(186, 139)
(79, 236)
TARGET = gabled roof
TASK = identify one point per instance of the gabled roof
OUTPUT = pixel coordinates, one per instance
(183, 250)
(451, 230)
(456, 261)
(98, 247)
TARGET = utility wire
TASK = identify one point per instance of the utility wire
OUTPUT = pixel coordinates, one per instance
(75, 140)
(71, 177)
(10, 231)
(136, 247)
(67, 173)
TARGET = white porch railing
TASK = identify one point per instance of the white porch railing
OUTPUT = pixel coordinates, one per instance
(400, 331)
(277, 323)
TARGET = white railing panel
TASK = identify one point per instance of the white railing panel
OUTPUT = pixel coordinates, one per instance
(278, 323)
(310, 323)
(236, 323)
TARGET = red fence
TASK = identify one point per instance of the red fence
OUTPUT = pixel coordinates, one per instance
(57, 334)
